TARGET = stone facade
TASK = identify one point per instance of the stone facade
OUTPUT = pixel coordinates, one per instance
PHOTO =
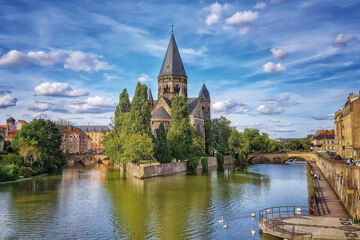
(172, 81)
(347, 128)
(74, 140)
(324, 140)
(96, 134)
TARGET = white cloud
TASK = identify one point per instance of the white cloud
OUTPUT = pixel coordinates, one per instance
(96, 104)
(40, 115)
(271, 67)
(282, 101)
(342, 39)
(244, 17)
(13, 57)
(282, 130)
(216, 10)
(230, 106)
(279, 53)
(249, 125)
(144, 78)
(7, 101)
(58, 89)
(274, 120)
(267, 109)
(327, 117)
(40, 107)
(79, 61)
(260, 5)
(244, 30)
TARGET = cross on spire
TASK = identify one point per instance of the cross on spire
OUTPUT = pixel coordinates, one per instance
(172, 28)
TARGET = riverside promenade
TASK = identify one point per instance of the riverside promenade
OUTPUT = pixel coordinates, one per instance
(332, 222)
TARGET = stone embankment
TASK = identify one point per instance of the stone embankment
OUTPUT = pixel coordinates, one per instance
(87, 159)
(149, 171)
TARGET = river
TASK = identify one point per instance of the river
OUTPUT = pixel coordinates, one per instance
(103, 203)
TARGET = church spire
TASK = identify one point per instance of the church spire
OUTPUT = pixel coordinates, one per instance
(172, 64)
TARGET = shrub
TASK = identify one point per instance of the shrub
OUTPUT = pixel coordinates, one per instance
(11, 158)
(192, 163)
(204, 163)
(220, 160)
(9, 172)
(26, 171)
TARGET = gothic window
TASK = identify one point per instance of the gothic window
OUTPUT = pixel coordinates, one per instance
(177, 89)
(166, 89)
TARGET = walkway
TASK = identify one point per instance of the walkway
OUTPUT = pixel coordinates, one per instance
(328, 203)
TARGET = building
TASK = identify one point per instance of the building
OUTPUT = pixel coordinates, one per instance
(3, 130)
(324, 140)
(8, 131)
(74, 140)
(20, 124)
(172, 81)
(97, 134)
(347, 128)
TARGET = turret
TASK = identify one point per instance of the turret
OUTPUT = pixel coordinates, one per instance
(150, 98)
(204, 98)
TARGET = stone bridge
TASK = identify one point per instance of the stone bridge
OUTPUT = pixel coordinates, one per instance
(281, 157)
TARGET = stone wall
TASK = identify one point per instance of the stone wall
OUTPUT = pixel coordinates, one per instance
(342, 178)
(168, 168)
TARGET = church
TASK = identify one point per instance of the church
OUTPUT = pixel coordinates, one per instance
(173, 81)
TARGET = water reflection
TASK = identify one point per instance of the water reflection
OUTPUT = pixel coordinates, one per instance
(105, 203)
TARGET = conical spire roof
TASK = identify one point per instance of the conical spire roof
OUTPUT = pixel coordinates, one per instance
(172, 64)
(150, 97)
(204, 91)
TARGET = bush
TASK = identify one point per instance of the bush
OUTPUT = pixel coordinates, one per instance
(220, 160)
(11, 158)
(26, 171)
(192, 163)
(9, 172)
(204, 163)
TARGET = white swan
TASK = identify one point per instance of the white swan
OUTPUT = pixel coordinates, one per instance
(253, 232)
(253, 215)
(225, 225)
(221, 220)
(268, 210)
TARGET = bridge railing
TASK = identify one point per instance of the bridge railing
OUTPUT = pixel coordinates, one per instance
(270, 220)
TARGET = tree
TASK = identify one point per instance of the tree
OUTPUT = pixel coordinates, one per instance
(258, 142)
(239, 146)
(138, 147)
(180, 134)
(274, 146)
(48, 140)
(140, 111)
(220, 133)
(297, 144)
(208, 137)
(122, 108)
(161, 148)
(29, 151)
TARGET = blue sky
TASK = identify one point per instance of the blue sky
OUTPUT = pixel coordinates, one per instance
(281, 66)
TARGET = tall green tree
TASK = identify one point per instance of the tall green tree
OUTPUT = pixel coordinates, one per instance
(239, 146)
(140, 111)
(220, 133)
(161, 148)
(46, 141)
(180, 134)
(121, 111)
(208, 137)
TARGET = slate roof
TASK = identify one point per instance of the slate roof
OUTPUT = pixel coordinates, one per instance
(150, 97)
(204, 91)
(192, 104)
(94, 128)
(160, 113)
(172, 64)
(10, 119)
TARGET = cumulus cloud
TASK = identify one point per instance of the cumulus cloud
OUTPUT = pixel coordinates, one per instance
(244, 17)
(271, 67)
(79, 61)
(279, 53)
(7, 101)
(260, 5)
(144, 78)
(269, 109)
(343, 39)
(40, 107)
(96, 104)
(249, 125)
(282, 101)
(215, 13)
(244, 30)
(326, 117)
(58, 89)
(230, 106)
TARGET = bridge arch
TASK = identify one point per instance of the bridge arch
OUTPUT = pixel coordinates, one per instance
(281, 157)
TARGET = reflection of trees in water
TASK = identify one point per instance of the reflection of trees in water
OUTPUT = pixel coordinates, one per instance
(165, 207)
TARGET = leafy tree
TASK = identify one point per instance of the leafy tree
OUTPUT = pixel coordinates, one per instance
(275, 146)
(161, 149)
(180, 134)
(29, 151)
(113, 146)
(208, 137)
(220, 133)
(48, 139)
(140, 111)
(137, 147)
(297, 144)
(239, 146)
(121, 111)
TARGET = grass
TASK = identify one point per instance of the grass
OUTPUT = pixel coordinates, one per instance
(148, 163)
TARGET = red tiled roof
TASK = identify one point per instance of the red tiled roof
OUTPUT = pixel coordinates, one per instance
(21, 121)
(3, 126)
(329, 133)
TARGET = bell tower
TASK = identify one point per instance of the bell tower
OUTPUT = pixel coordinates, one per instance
(172, 77)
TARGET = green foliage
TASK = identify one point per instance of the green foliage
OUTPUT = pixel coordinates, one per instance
(192, 164)
(220, 160)
(198, 145)
(180, 134)
(161, 149)
(9, 172)
(137, 147)
(297, 144)
(140, 111)
(274, 146)
(208, 137)
(239, 146)
(204, 163)
(45, 140)
(113, 146)
(218, 135)
(310, 183)
(121, 109)
(11, 158)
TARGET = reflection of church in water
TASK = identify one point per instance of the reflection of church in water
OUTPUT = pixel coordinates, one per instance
(172, 81)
